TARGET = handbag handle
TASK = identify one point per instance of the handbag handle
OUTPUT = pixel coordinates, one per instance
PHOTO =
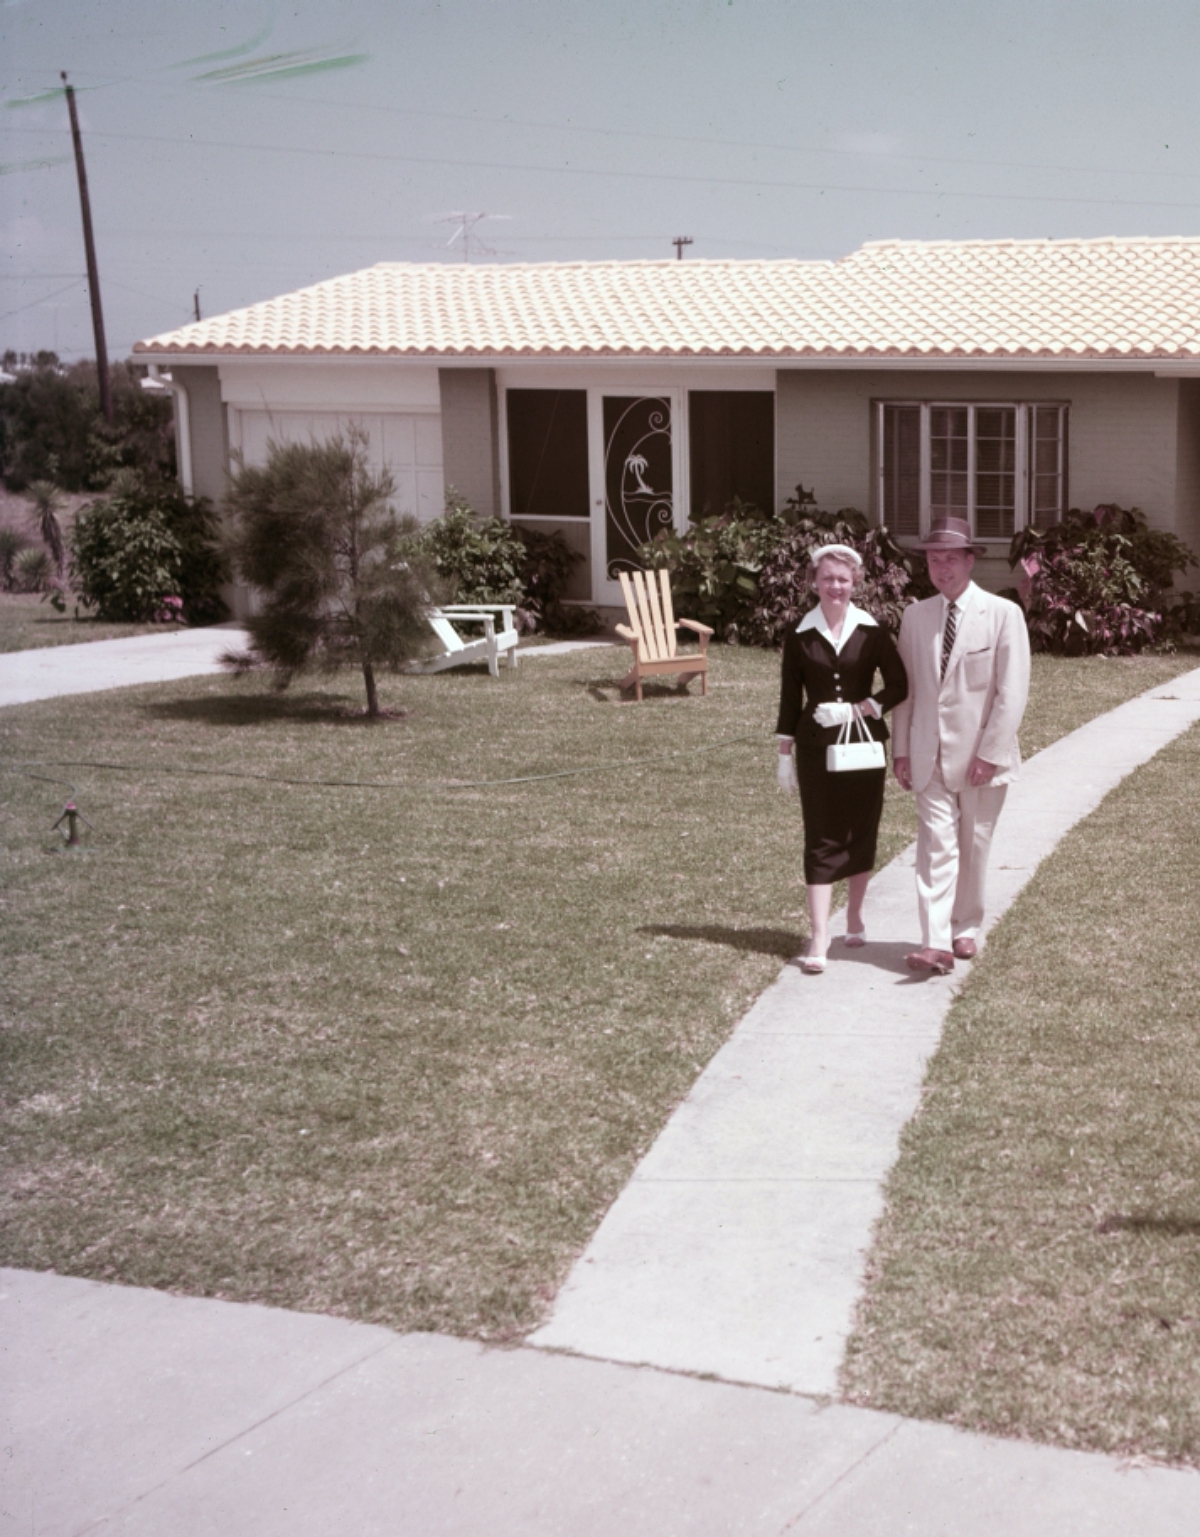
(854, 729)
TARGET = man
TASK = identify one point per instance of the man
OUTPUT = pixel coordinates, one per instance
(954, 739)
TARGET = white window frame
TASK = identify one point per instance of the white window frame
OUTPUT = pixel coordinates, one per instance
(1022, 466)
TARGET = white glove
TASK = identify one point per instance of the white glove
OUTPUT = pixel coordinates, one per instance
(785, 773)
(833, 714)
(871, 708)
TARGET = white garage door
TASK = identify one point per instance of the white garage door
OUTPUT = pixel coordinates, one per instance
(409, 443)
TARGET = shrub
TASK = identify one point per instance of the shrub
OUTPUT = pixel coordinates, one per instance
(12, 542)
(481, 558)
(745, 572)
(715, 565)
(46, 419)
(124, 558)
(142, 544)
(1098, 583)
(34, 570)
(891, 578)
(545, 571)
(51, 427)
(486, 560)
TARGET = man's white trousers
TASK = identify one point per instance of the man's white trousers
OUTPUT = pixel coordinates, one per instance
(954, 838)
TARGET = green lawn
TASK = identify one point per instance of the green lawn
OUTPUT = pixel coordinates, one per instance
(1038, 1269)
(26, 622)
(387, 1053)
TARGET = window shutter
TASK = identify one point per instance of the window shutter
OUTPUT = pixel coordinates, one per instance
(902, 469)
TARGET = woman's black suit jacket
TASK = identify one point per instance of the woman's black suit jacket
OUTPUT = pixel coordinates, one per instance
(814, 673)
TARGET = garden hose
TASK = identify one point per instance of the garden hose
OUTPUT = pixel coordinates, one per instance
(26, 769)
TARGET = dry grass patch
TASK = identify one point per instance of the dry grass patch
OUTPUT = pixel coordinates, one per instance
(386, 1053)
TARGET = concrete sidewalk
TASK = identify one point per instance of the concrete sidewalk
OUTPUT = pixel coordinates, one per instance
(95, 665)
(50, 671)
(144, 1415)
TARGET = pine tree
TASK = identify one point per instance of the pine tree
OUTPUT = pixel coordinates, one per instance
(315, 533)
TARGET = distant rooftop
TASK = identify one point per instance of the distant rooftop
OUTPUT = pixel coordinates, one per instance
(1114, 298)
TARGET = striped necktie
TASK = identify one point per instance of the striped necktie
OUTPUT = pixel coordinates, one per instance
(948, 635)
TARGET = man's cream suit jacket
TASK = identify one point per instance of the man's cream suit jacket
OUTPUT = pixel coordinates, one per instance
(976, 710)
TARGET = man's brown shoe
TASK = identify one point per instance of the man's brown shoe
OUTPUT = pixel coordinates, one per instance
(965, 949)
(940, 962)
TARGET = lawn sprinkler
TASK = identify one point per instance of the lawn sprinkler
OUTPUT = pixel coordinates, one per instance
(72, 816)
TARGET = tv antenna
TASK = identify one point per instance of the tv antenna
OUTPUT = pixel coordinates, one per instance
(679, 242)
(466, 222)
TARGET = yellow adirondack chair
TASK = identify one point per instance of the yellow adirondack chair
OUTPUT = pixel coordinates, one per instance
(651, 633)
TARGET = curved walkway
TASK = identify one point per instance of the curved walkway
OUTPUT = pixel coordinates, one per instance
(735, 1251)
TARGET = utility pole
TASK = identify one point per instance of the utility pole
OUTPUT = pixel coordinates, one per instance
(89, 245)
(196, 304)
(679, 242)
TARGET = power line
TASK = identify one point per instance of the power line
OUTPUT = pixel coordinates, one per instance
(643, 136)
(680, 179)
(45, 299)
(680, 138)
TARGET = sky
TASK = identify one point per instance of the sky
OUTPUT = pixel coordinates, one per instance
(248, 149)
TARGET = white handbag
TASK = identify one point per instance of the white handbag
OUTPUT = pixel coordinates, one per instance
(854, 749)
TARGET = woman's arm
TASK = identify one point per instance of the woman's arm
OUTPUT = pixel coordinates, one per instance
(895, 679)
(791, 687)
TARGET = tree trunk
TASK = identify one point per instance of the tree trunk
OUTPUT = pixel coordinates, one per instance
(372, 696)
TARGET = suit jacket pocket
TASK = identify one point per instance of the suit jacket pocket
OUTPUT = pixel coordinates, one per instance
(978, 668)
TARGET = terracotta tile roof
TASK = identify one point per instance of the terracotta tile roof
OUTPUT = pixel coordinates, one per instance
(1112, 298)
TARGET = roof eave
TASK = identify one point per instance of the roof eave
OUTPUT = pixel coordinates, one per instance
(1057, 361)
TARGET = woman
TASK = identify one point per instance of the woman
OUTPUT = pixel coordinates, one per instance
(829, 665)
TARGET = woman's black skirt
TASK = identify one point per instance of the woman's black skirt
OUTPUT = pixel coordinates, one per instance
(841, 818)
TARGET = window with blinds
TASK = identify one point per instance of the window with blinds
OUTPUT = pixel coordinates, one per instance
(998, 465)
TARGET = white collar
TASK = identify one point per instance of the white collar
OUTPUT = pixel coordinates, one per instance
(855, 616)
(960, 602)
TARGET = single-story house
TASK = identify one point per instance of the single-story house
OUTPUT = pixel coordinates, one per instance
(1002, 381)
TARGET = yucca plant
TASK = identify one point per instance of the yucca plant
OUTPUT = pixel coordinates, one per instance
(12, 542)
(46, 502)
(34, 570)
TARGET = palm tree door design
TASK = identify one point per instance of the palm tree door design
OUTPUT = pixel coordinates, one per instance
(639, 481)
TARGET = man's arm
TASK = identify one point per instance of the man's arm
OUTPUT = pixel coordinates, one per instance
(1012, 692)
(902, 714)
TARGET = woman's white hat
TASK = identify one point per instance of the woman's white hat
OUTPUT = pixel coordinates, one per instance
(841, 551)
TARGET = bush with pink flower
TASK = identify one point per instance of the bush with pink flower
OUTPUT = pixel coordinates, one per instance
(1100, 583)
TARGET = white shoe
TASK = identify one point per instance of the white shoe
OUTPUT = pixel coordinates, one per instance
(812, 965)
